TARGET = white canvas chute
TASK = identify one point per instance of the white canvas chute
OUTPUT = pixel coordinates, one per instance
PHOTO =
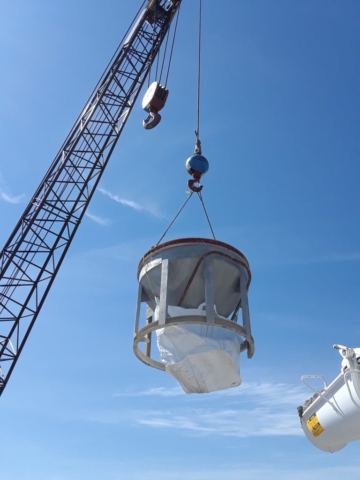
(202, 358)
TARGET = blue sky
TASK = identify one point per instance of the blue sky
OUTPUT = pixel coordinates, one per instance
(280, 123)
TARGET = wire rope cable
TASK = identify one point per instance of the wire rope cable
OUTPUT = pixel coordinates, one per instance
(172, 46)
(164, 55)
(152, 48)
(157, 65)
(197, 131)
(206, 214)
(181, 209)
(176, 216)
(165, 50)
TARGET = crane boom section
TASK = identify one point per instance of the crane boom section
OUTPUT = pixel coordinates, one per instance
(36, 248)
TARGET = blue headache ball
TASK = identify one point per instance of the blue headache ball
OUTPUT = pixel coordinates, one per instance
(197, 164)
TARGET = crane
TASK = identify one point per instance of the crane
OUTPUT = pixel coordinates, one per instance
(36, 248)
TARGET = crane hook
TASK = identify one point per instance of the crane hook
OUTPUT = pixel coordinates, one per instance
(196, 165)
(152, 120)
(153, 101)
(192, 186)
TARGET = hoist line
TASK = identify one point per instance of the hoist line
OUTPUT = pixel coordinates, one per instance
(157, 65)
(176, 216)
(197, 132)
(172, 46)
(152, 50)
(165, 50)
(206, 214)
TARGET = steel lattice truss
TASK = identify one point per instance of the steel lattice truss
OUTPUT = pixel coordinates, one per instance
(35, 250)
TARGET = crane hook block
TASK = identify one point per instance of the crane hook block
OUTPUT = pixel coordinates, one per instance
(153, 101)
(196, 166)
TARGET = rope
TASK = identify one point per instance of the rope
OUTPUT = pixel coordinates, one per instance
(157, 65)
(181, 209)
(152, 48)
(176, 216)
(163, 62)
(172, 46)
(206, 214)
(197, 132)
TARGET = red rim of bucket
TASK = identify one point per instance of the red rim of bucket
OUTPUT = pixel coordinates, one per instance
(208, 241)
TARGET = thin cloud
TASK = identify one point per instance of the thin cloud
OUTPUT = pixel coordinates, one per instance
(153, 392)
(256, 422)
(11, 198)
(330, 258)
(249, 472)
(263, 409)
(341, 257)
(130, 203)
(301, 260)
(252, 410)
(105, 222)
(266, 393)
(8, 197)
(288, 248)
(240, 422)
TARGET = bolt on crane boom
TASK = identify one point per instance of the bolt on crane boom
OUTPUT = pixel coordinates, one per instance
(37, 246)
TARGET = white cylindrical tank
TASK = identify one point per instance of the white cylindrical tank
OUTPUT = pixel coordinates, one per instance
(331, 417)
(194, 289)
